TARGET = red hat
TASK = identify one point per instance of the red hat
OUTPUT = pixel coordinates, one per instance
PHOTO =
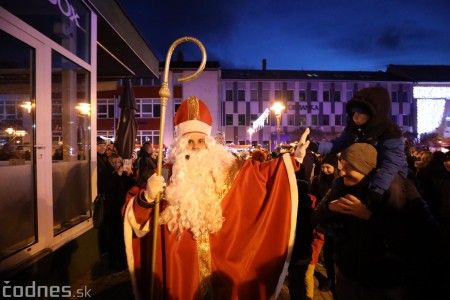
(192, 117)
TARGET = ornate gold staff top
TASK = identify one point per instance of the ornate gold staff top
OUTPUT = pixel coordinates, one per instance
(164, 94)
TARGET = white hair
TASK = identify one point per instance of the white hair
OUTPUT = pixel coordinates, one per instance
(193, 194)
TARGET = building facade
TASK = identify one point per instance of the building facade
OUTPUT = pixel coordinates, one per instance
(54, 54)
(240, 101)
(314, 99)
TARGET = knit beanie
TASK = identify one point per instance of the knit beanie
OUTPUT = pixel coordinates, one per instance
(362, 156)
(330, 159)
(100, 141)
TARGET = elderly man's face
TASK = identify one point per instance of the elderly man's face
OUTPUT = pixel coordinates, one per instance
(196, 142)
(350, 174)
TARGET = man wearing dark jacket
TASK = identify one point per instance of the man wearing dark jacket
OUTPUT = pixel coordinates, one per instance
(147, 161)
(380, 254)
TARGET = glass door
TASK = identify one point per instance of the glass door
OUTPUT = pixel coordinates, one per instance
(46, 92)
(18, 226)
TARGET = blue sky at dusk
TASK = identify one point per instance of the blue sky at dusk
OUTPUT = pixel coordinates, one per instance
(353, 35)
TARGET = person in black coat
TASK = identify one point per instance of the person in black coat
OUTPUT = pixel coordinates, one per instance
(382, 253)
(104, 175)
(433, 182)
(302, 251)
(147, 160)
(120, 182)
(320, 186)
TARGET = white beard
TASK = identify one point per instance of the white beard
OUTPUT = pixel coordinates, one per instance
(193, 201)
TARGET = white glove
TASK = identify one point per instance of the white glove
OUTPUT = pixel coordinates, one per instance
(300, 152)
(155, 185)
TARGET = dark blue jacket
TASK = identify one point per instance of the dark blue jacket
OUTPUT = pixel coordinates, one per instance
(380, 131)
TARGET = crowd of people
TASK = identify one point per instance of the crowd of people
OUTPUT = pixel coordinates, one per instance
(114, 181)
(8, 152)
(374, 212)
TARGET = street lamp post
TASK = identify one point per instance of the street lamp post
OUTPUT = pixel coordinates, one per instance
(278, 108)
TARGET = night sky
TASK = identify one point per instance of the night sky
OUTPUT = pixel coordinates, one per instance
(353, 35)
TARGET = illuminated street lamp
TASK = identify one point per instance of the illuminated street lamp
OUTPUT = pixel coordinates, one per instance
(278, 108)
(250, 133)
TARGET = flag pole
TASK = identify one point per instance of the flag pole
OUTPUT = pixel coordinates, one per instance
(164, 94)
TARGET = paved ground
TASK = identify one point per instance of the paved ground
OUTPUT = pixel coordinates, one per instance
(102, 283)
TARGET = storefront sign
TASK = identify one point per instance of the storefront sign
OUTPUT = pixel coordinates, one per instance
(67, 9)
(308, 107)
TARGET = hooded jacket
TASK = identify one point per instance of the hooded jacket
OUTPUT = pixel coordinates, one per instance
(379, 131)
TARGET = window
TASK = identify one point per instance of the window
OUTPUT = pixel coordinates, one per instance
(105, 108)
(338, 120)
(403, 97)
(147, 135)
(241, 119)
(326, 96)
(148, 108)
(17, 135)
(291, 120)
(326, 120)
(314, 120)
(254, 95)
(229, 95)
(290, 95)
(302, 96)
(176, 105)
(394, 119)
(337, 96)
(253, 117)
(406, 120)
(228, 119)
(8, 109)
(394, 96)
(265, 95)
(241, 95)
(302, 120)
(67, 23)
(278, 95)
(71, 203)
(313, 95)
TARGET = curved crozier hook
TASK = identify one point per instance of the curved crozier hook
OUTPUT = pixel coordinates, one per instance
(169, 55)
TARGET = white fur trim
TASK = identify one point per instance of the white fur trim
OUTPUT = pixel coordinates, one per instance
(129, 226)
(192, 126)
(294, 208)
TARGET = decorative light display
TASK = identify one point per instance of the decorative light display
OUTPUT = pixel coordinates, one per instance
(259, 123)
(431, 92)
(429, 114)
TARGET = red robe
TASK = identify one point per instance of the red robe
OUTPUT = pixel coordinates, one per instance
(249, 255)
